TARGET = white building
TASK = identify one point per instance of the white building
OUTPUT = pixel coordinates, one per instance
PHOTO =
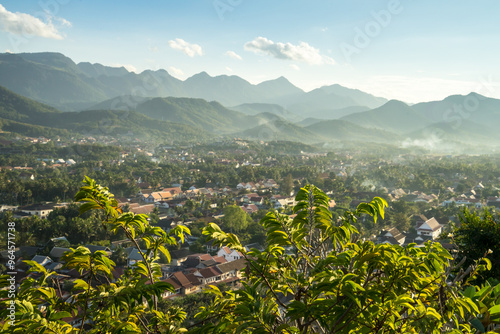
(40, 210)
(229, 254)
(430, 228)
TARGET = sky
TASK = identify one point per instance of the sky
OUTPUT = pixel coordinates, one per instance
(410, 50)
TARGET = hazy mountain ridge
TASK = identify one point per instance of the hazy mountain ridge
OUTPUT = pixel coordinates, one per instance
(331, 102)
(394, 116)
(455, 108)
(300, 116)
(211, 116)
(341, 130)
(257, 108)
(56, 80)
(186, 118)
(124, 102)
(48, 84)
(16, 107)
(30, 118)
(96, 70)
(281, 130)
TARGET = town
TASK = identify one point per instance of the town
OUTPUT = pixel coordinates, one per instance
(232, 183)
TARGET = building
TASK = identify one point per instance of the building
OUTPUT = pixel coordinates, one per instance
(231, 271)
(229, 254)
(391, 236)
(430, 228)
(40, 210)
(208, 275)
(209, 245)
(182, 284)
(179, 256)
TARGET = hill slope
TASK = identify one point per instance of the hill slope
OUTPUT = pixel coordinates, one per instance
(27, 117)
(281, 130)
(453, 109)
(210, 116)
(467, 132)
(57, 86)
(257, 108)
(328, 101)
(346, 131)
(394, 116)
(18, 108)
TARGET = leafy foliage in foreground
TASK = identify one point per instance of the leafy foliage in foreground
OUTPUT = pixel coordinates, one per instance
(315, 277)
(127, 305)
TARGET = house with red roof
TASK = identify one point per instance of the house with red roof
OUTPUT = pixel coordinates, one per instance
(249, 208)
(184, 284)
(208, 275)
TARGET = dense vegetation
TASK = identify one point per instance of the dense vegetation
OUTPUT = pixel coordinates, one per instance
(314, 276)
(367, 175)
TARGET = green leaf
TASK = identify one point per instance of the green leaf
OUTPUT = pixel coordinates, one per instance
(433, 313)
(88, 206)
(494, 311)
(165, 252)
(476, 323)
(80, 285)
(469, 292)
(60, 315)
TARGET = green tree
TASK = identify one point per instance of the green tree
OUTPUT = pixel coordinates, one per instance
(330, 282)
(286, 185)
(476, 236)
(314, 276)
(129, 305)
(235, 219)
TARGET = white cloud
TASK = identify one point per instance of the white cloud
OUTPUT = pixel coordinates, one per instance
(233, 55)
(295, 67)
(154, 49)
(8, 51)
(301, 52)
(63, 22)
(25, 24)
(176, 72)
(189, 49)
(229, 69)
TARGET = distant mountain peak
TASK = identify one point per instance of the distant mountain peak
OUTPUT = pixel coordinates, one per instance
(458, 98)
(281, 84)
(80, 86)
(474, 94)
(282, 78)
(395, 103)
(201, 75)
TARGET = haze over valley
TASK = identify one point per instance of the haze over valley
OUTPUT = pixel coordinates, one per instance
(82, 97)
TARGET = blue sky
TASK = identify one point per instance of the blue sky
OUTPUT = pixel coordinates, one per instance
(412, 50)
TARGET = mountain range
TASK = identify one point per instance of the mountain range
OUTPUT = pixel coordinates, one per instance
(54, 79)
(103, 100)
